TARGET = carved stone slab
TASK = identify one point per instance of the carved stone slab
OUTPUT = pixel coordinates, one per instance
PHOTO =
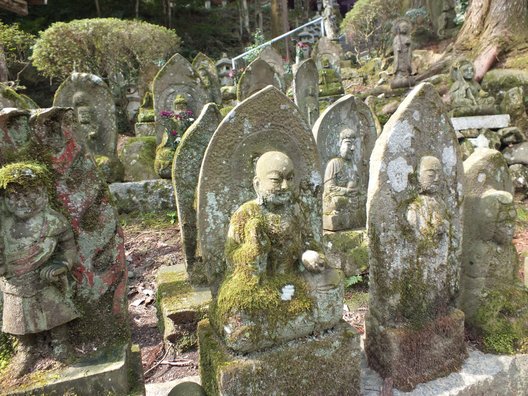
(306, 90)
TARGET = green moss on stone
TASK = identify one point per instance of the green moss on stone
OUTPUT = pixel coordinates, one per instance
(225, 110)
(26, 174)
(7, 349)
(502, 320)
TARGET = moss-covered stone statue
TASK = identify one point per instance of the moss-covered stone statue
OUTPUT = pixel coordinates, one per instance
(329, 80)
(467, 97)
(402, 48)
(146, 110)
(177, 122)
(39, 252)
(277, 286)
(341, 201)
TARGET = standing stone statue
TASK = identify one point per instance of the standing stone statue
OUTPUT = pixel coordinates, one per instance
(39, 252)
(467, 97)
(305, 90)
(206, 69)
(414, 333)
(402, 48)
(259, 227)
(185, 172)
(95, 110)
(330, 18)
(345, 135)
(492, 296)
(329, 49)
(63, 258)
(176, 77)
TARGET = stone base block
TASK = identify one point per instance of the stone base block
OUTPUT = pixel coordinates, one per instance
(327, 364)
(409, 356)
(347, 250)
(115, 372)
(145, 129)
(181, 305)
(143, 196)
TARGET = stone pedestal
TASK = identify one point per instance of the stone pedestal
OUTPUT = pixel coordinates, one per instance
(143, 196)
(117, 372)
(145, 128)
(181, 305)
(326, 364)
(347, 250)
(412, 356)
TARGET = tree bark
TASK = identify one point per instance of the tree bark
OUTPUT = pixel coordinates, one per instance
(98, 8)
(245, 31)
(492, 23)
(4, 74)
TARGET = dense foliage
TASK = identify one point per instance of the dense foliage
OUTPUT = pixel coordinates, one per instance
(368, 26)
(16, 43)
(111, 48)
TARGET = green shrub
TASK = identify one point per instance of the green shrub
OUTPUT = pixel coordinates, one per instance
(17, 43)
(368, 26)
(111, 48)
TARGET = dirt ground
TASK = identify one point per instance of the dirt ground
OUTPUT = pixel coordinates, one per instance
(154, 240)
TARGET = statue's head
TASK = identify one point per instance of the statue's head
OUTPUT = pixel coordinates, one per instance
(24, 188)
(179, 104)
(347, 143)
(274, 180)
(430, 175)
(498, 216)
(81, 103)
(325, 62)
(401, 26)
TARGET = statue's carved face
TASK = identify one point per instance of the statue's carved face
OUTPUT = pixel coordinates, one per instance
(274, 180)
(429, 175)
(467, 71)
(84, 114)
(25, 202)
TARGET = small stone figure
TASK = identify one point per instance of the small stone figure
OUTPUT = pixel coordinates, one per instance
(39, 252)
(146, 110)
(277, 285)
(341, 195)
(85, 116)
(467, 97)
(330, 18)
(329, 80)
(402, 47)
(446, 18)
(427, 215)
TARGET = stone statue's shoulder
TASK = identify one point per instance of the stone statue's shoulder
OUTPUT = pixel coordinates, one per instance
(57, 222)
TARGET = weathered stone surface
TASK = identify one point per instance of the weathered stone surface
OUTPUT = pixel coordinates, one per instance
(481, 374)
(258, 75)
(489, 282)
(10, 98)
(137, 157)
(519, 176)
(511, 135)
(106, 373)
(181, 305)
(504, 79)
(143, 196)
(111, 168)
(94, 107)
(467, 97)
(99, 274)
(517, 154)
(326, 48)
(250, 131)
(402, 48)
(274, 59)
(327, 364)
(415, 233)
(145, 129)
(224, 67)
(185, 172)
(347, 250)
(348, 113)
(177, 77)
(330, 83)
(206, 69)
(306, 90)
(478, 122)
(513, 104)
(487, 138)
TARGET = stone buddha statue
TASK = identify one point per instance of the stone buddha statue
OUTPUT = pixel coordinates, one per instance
(38, 253)
(467, 97)
(277, 285)
(343, 203)
(89, 126)
(329, 80)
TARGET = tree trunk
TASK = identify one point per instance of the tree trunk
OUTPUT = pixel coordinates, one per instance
(98, 8)
(245, 31)
(494, 23)
(137, 9)
(4, 74)
(259, 18)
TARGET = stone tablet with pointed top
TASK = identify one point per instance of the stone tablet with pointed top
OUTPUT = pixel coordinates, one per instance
(185, 172)
(94, 107)
(306, 90)
(414, 332)
(258, 75)
(326, 48)
(176, 77)
(206, 69)
(348, 113)
(274, 59)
